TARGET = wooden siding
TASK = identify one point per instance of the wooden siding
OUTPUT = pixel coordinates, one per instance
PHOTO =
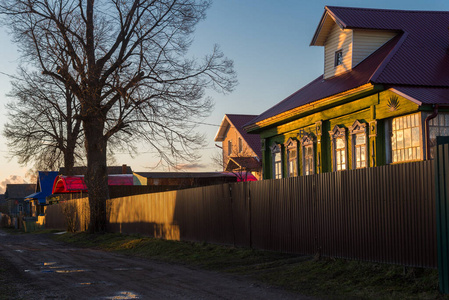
(367, 109)
(365, 42)
(233, 135)
(383, 214)
(338, 39)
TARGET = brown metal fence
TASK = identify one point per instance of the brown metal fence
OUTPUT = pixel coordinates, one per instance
(382, 214)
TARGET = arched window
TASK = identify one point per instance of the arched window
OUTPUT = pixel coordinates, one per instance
(359, 145)
(276, 154)
(338, 141)
(308, 154)
(292, 157)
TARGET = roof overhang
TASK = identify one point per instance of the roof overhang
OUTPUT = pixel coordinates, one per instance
(324, 27)
(313, 107)
(221, 133)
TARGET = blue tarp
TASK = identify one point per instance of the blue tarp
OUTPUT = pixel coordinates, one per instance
(45, 185)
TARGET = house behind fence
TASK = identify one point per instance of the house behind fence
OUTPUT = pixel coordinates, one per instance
(383, 214)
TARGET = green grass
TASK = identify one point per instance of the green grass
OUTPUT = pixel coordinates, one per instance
(327, 278)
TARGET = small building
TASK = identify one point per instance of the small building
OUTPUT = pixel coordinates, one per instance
(44, 186)
(15, 198)
(241, 152)
(68, 187)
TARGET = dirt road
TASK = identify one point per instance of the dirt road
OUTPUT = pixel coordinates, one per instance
(50, 270)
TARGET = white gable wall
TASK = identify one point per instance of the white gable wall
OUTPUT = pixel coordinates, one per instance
(368, 41)
(356, 45)
(338, 39)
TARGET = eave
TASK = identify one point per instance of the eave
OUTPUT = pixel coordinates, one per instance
(313, 107)
(221, 133)
(327, 21)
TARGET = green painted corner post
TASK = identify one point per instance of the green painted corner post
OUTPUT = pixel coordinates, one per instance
(442, 211)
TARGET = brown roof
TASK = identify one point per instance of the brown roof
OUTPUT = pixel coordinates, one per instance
(415, 61)
(246, 163)
(19, 191)
(182, 174)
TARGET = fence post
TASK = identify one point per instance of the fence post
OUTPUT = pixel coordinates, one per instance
(442, 211)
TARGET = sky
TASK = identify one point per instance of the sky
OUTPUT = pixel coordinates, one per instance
(269, 43)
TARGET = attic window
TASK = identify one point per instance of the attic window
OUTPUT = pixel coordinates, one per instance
(338, 58)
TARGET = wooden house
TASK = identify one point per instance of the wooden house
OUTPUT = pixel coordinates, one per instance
(241, 152)
(15, 198)
(382, 99)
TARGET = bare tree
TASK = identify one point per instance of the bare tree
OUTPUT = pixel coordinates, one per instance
(128, 69)
(41, 127)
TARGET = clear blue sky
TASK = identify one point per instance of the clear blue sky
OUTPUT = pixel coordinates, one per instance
(269, 43)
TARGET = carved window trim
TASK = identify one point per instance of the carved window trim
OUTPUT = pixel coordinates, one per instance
(358, 130)
(292, 157)
(308, 154)
(340, 154)
(277, 164)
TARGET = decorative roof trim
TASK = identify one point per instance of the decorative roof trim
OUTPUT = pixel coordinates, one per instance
(307, 107)
(416, 101)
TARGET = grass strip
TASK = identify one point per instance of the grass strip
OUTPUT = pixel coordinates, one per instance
(324, 278)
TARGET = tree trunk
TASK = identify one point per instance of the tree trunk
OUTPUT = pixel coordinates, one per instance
(96, 177)
(69, 160)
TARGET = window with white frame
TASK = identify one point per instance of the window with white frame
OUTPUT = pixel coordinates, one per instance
(308, 157)
(406, 138)
(276, 155)
(359, 145)
(338, 60)
(338, 139)
(229, 147)
(438, 126)
(292, 157)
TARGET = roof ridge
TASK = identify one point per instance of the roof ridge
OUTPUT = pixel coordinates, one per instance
(388, 57)
(388, 9)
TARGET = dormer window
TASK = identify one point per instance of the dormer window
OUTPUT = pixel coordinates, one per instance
(338, 58)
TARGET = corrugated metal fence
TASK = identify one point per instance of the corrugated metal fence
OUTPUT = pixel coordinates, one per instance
(383, 214)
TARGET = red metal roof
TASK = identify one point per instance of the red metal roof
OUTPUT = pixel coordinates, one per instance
(421, 58)
(416, 57)
(320, 88)
(75, 184)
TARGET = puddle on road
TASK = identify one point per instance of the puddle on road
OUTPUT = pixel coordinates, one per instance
(19, 250)
(128, 269)
(87, 284)
(70, 271)
(124, 295)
